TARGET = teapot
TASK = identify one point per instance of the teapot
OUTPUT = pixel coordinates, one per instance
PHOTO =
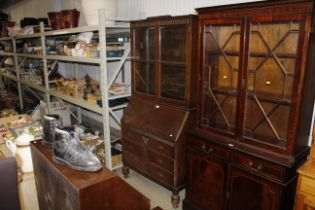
(22, 152)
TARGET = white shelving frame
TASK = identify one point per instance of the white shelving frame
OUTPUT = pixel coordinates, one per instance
(105, 111)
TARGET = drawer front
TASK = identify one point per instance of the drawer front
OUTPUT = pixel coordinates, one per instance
(161, 161)
(307, 185)
(208, 148)
(161, 175)
(259, 166)
(134, 160)
(161, 148)
(133, 138)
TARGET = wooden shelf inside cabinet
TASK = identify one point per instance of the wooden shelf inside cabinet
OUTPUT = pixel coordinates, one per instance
(265, 97)
(252, 54)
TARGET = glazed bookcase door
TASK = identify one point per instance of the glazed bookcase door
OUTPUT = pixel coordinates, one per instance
(173, 61)
(271, 76)
(221, 73)
(144, 60)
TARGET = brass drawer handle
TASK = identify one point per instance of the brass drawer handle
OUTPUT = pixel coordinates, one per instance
(131, 147)
(251, 164)
(268, 83)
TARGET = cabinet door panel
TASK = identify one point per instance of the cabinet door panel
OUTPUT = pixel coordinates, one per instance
(206, 181)
(221, 66)
(250, 192)
(271, 73)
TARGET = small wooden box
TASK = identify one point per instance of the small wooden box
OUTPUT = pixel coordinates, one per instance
(60, 187)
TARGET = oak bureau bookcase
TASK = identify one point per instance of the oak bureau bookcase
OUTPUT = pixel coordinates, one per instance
(162, 106)
(255, 101)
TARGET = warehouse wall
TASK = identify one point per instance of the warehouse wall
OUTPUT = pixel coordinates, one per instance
(127, 9)
(138, 9)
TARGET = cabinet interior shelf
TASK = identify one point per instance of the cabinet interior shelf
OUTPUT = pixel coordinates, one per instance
(265, 97)
(253, 54)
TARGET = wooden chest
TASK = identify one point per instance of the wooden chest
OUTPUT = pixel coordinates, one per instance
(60, 187)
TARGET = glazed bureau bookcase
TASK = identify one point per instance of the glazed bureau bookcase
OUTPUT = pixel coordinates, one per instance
(254, 105)
(163, 102)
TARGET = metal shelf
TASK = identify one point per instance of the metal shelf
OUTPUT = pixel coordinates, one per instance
(71, 30)
(77, 101)
(10, 77)
(7, 38)
(29, 55)
(6, 54)
(28, 36)
(73, 59)
(34, 86)
(106, 80)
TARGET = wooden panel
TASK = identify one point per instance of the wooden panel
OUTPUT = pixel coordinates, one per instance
(307, 185)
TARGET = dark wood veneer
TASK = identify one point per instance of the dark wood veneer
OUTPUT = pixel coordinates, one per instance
(252, 132)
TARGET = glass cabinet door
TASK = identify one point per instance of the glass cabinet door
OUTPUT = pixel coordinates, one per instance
(221, 58)
(144, 60)
(173, 61)
(270, 77)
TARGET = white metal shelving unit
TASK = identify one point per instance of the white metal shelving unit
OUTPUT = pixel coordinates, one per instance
(105, 111)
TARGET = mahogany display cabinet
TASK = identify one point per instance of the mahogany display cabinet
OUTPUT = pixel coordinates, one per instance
(255, 102)
(163, 104)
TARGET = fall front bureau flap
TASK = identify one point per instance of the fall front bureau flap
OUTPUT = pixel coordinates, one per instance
(155, 119)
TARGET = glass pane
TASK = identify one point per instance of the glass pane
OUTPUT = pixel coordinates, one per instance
(173, 81)
(145, 77)
(144, 43)
(271, 73)
(221, 69)
(173, 43)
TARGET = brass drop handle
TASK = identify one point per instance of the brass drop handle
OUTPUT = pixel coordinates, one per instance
(268, 83)
(131, 147)
(225, 77)
(161, 175)
(250, 163)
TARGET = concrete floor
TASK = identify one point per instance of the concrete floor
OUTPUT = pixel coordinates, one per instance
(158, 195)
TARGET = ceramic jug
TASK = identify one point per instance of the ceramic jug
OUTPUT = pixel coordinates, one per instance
(22, 152)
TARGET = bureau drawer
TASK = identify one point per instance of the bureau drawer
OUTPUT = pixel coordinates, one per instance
(161, 175)
(161, 148)
(161, 161)
(259, 166)
(307, 185)
(208, 148)
(133, 138)
(134, 160)
(133, 148)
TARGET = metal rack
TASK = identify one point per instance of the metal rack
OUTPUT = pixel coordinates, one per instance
(105, 111)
